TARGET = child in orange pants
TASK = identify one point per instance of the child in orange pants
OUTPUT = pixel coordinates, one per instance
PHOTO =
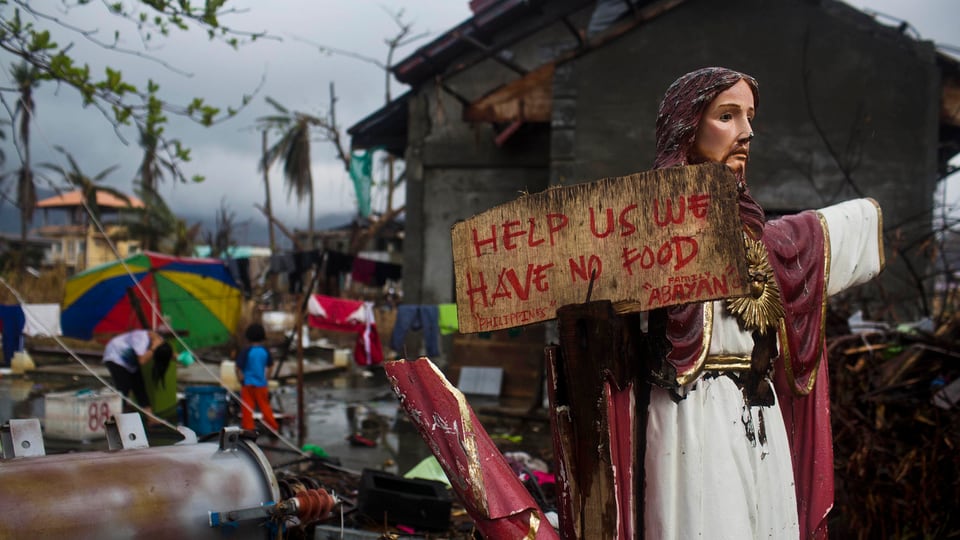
(252, 364)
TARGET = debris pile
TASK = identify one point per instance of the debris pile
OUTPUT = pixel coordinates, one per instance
(896, 430)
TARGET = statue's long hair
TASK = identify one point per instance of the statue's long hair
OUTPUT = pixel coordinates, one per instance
(677, 120)
(683, 106)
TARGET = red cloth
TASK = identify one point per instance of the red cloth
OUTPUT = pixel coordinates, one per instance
(795, 246)
(623, 451)
(338, 314)
(496, 500)
(368, 351)
(363, 271)
(342, 315)
(544, 478)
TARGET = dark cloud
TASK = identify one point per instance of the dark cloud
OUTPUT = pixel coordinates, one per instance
(293, 72)
(290, 69)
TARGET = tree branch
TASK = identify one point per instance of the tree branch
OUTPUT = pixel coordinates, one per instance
(286, 232)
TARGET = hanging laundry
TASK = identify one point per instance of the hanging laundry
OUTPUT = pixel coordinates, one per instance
(368, 351)
(342, 315)
(243, 268)
(447, 319)
(339, 314)
(13, 321)
(304, 260)
(361, 172)
(363, 270)
(240, 271)
(383, 272)
(417, 317)
(282, 263)
(338, 263)
(42, 320)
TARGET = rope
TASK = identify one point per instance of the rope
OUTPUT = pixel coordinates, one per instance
(154, 311)
(86, 366)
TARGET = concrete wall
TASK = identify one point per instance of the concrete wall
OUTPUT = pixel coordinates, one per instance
(837, 95)
(840, 96)
(454, 169)
(453, 172)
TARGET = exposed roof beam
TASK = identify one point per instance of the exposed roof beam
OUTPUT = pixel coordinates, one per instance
(528, 99)
(493, 54)
(411, 70)
(573, 30)
(950, 102)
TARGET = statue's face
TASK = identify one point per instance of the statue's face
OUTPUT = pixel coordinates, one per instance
(724, 133)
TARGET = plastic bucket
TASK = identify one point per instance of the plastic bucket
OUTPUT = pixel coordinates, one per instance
(206, 408)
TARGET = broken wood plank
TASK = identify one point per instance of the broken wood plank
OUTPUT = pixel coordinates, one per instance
(650, 240)
(527, 99)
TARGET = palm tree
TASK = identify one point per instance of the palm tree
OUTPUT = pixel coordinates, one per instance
(184, 238)
(156, 222)
(293, 149)
(153, 169)
(27, 78)
(266, 185)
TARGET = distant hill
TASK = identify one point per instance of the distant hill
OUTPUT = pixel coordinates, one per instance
(10, 214)
(252, 230)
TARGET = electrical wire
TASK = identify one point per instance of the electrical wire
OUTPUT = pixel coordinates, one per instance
(16, 294)
(156, 313)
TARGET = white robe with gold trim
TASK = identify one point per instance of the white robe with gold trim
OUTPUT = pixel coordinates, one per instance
(704, 478)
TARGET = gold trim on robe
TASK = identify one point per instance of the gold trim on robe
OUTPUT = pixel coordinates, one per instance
(727, 362)
(697, 368)
(883, 257)
(534, 526)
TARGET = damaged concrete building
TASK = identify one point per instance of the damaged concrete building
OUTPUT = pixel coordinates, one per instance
(528, 94)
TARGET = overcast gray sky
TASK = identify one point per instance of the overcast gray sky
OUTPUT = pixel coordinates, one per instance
(297, 75)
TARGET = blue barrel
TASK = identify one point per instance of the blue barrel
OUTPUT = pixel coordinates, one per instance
(206, 408)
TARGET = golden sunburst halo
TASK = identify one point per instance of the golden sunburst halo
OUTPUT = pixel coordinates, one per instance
(762, 309)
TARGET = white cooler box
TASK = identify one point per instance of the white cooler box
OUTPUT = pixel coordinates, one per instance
(79, 415)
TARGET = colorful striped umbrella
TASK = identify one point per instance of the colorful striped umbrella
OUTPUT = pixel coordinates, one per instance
(198, 298)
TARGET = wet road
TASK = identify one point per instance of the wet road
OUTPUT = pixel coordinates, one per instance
(355, 401)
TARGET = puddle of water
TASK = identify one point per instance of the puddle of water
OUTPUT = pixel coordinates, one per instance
(355, 401)
(22, 396)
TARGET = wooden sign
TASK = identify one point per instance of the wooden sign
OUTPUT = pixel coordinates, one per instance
(650, 240)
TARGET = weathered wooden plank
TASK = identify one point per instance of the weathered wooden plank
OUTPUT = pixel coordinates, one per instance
(528, 99)
(651, 239)
(950, 102)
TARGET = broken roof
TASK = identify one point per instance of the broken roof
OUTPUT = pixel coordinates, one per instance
(496, 25)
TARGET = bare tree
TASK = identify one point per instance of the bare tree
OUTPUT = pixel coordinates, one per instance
(221, 238)
(362, 235)
(912, 240)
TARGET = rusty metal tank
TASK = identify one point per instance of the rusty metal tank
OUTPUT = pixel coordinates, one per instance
(130, 490)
